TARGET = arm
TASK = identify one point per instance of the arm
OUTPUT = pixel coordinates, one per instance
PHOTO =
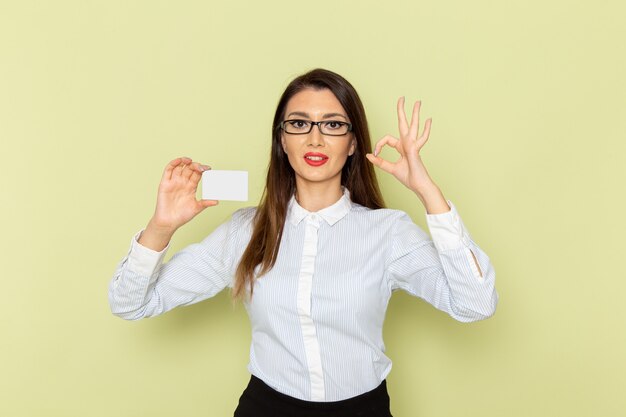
(450, 272)
(134, 292)
(143, 286)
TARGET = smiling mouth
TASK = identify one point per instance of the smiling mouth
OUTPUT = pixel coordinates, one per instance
(315, 159)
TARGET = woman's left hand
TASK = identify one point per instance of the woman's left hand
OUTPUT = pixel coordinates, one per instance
(409, 168)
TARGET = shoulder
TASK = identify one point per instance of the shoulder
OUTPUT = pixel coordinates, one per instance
(244, 215)
(396, 224)
(383, 215)
(242, 219)
(384, 221)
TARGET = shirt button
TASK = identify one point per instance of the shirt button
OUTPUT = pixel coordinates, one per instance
(313, 217)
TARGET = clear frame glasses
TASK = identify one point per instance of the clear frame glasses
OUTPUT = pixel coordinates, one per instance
(326, 127)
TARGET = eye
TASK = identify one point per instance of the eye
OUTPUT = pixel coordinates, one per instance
(333, 124)
(298, 124)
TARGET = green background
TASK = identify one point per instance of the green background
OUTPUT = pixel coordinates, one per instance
(528, 101)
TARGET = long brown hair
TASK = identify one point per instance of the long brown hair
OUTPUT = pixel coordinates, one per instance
(357, 176)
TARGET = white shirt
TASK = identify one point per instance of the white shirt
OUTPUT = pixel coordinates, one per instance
(317, 316)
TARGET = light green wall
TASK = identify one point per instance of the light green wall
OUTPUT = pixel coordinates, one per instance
(528, 101)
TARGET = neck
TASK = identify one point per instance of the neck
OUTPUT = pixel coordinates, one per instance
(317, 196)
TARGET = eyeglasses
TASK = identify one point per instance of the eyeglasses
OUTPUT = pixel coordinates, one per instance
(326, 127)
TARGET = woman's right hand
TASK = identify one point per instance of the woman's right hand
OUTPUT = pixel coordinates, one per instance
(176, 202)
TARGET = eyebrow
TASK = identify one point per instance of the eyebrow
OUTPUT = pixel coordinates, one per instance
(326, 116)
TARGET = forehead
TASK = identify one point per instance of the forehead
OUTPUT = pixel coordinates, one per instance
(314, 102)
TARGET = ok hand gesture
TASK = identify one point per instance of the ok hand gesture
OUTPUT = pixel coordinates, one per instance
(409, 168)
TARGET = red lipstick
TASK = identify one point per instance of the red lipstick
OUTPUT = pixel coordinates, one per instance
(315, 158)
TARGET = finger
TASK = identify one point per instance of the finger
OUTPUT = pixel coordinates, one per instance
(380, 163)
(169, 168)
(415, 120)
(179, 169)
(195, 176)
(424, 138)
(386, 140)
(190, 169)
(208, 203)
(202, 204)
(403, 127)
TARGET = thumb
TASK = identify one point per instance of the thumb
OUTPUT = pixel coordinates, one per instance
(202, 204)
(379, 162)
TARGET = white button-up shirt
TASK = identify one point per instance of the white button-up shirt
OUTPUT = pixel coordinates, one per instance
(317, 316)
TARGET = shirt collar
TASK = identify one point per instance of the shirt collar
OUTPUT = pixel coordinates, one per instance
(331, 214)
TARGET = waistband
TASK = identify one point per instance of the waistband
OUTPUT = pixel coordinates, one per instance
(258, 388)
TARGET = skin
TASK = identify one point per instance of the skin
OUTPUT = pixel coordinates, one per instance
(317, 187)
(409, 168)
(176, 202)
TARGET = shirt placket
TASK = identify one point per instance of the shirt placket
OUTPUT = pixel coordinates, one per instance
(305, 285)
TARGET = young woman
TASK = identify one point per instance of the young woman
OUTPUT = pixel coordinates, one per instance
(317, 261)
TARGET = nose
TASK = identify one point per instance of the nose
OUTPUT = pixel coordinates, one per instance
(315, 136)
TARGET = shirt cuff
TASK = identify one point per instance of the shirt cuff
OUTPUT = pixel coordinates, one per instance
(447, 230)
(142, 260)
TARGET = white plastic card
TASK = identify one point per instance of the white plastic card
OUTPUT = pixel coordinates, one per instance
(225, 185)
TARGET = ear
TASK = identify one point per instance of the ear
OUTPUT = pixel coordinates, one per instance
(282, 142)
(352, 147)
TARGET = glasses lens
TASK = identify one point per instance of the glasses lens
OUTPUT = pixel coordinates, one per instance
(333, 127)
(329, 127)
(297, 126)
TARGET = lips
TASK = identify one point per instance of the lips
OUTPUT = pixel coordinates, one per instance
(315, 158)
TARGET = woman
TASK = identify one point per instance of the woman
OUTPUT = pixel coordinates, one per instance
(317, 261)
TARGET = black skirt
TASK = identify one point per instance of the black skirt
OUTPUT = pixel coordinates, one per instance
(260, 400)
